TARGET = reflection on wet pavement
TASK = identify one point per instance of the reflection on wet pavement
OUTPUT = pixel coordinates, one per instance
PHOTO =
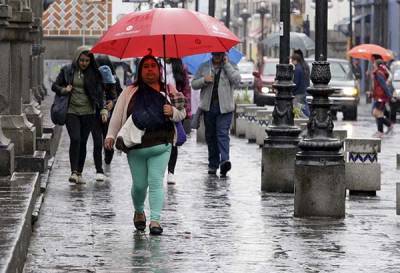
(212, 224)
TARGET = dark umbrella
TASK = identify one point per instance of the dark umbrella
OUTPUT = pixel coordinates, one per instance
(298, 40)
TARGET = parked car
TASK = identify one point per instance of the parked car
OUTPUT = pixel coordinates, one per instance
(246, 70)
(345, 99)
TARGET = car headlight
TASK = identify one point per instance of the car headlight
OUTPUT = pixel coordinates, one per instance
(265, 89)
(350, 91)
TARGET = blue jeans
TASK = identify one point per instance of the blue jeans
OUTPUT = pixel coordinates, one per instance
(217, 127)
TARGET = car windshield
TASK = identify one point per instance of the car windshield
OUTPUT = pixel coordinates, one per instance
(340, 71)
(245, 68)
(269, 69)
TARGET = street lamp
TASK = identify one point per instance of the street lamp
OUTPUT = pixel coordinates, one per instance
(262, 10)
(245, 15)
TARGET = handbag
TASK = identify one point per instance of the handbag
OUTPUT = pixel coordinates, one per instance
(130, 136)
(181, 134)
(59, 109)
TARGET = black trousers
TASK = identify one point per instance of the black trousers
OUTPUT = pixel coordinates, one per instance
(172, 159)
(79, 127)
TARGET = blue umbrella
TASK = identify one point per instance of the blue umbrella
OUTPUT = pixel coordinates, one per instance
(193, 62)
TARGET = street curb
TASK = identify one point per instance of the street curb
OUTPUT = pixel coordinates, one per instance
(13, 253)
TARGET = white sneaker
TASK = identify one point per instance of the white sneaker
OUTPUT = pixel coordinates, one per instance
(80, 180)
(171, 179)
(74, 178)
(100, 177)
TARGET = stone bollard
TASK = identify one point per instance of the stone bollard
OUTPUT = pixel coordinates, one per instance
(398, 198)
(241, 120)
(251, 123)
(397, 161)
(362, 170)
(263, 118)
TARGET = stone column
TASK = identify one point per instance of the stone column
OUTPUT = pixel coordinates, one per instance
(17, 41)
(30, 107)
(7, 156)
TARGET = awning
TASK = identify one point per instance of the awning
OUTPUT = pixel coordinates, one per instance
(343, 25)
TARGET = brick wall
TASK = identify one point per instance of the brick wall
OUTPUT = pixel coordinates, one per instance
(77, 18)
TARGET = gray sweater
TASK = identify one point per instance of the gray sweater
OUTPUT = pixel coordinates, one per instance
(229, 78)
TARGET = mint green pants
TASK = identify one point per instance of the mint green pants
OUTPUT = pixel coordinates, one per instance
(147, 167)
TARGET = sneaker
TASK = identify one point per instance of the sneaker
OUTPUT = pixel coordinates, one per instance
(225, 168)
(171, 179)
(378, 135)
(74, 178)
(212, 171)
(80, 180)
(100, 177)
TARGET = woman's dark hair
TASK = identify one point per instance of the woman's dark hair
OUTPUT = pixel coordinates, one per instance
(139, 80)
(92, 72)
(296, 57)
(179, 73)
(105, 60)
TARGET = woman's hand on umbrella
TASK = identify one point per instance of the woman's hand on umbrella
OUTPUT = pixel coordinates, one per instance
(109, 143)
(168, 111)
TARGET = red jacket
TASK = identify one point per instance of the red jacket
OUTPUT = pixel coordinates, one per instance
(379, 93)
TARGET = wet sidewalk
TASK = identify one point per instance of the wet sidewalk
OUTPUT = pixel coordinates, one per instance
(212, 224)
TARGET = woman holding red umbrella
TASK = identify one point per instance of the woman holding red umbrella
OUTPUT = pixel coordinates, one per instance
(147, 160)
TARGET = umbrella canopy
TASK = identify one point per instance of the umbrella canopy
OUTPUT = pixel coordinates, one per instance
(181, 31)
(365, 51)
(298, 40)
(193, 62)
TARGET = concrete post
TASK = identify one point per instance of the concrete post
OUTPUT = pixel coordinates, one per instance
(320, 188)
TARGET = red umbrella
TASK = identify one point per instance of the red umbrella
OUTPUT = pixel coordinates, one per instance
(365, 51)
(165, 32)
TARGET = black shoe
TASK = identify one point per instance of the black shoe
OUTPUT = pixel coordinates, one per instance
(212, 171)
(108, 156)
(157, 230)
(120, 145)
(139, 225)
(225, 167)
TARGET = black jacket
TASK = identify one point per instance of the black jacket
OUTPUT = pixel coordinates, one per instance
(92, 82)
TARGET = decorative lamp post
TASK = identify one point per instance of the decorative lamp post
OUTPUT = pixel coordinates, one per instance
(262, 10)
(280, 146)
(319, 170)
(245, 15)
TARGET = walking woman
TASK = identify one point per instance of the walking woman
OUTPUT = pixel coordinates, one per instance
(381, 95)
(178, 77)
(148, 160)
(81, 81)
